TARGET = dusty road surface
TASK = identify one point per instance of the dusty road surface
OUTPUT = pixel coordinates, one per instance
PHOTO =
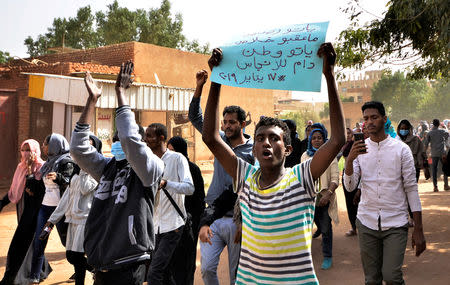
(433, 267)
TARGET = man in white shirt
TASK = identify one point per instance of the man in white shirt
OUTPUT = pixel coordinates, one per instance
(168, 223)
(388, 184)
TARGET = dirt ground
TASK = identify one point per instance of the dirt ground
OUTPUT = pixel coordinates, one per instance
(432, 267)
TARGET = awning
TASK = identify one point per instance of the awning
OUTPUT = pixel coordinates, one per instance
(141, 96)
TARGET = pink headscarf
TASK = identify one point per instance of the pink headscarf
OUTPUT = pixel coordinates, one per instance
(18, 183)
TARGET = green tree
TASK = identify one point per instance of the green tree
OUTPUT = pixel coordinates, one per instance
(116, 25)
(412, 31)
(325, 113)
(119, 24)
(400, 95)
(162, 30)
(435, 104)
(4, 57)
(301, 118)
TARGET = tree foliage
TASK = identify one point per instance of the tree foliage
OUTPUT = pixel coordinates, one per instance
(325, 113)
(400, 95)
(414, 32)
(4, 57)
(116, 25)
(301, 118)
(435, 104)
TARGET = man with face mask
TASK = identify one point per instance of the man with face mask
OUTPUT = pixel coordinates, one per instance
(405, 132)
(119, 234)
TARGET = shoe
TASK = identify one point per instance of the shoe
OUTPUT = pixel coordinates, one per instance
(326, 264)
(350, 233)
(317, 234)
(34, 281)
(435, 189)
(446, 187)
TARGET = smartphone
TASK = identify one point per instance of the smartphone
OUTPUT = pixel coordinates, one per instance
(359, 137)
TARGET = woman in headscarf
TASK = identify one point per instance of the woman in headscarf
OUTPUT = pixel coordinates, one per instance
(75, 205)
(26, 191)
(56, 174)
(185, 253)
(405, 132)
(326, 203)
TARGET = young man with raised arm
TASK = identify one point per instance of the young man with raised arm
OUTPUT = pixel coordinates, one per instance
(388, 184)
(119, 235)
(223, 229)
(277, 203)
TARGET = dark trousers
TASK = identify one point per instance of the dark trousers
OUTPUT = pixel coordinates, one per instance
(79, 262)
(352, 209)
(23, 236)
(434, 167)
(184, 259)
(39, 245)
(129, 275)
(161, 269)
(382, 254)
(323, 222)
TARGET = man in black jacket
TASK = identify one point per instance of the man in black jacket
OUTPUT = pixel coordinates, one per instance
(119, 235)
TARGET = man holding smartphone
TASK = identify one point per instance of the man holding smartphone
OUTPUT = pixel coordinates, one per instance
(388, 183)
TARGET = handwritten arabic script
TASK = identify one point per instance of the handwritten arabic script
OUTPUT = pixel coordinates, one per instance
(284, 58)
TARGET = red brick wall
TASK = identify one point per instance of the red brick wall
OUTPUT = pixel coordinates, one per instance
(108, 55)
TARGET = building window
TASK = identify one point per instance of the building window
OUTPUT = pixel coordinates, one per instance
(344, 89)
(360, 98)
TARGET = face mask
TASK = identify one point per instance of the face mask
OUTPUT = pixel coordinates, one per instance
(403, 132)
(116, 150)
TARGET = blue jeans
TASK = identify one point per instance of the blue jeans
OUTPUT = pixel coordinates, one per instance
(39, 245)
(323, 222)
(434, 166)
(223, 231)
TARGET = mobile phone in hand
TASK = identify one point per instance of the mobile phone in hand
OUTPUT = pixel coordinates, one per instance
(359, 137)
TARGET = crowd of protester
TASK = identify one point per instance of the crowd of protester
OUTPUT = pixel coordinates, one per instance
(137, 217)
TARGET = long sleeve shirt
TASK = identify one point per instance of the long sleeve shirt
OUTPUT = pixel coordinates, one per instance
(388, 184)
(179, 184)
(220, 180)
(438, 139)
(145, 163)
(76, 200)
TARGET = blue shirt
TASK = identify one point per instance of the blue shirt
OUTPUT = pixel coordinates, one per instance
(220, 180)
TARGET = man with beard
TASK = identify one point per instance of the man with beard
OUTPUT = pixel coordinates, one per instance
(223, 230)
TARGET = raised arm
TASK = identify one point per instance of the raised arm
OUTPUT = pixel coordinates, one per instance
(195, 111)
(147, 165)
(84, 154)
(211, 136)
(325, 155)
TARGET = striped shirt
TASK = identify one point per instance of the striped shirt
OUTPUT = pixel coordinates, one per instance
(276, 227)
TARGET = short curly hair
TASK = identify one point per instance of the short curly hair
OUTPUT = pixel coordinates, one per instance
(269, 121)
(235, 109)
